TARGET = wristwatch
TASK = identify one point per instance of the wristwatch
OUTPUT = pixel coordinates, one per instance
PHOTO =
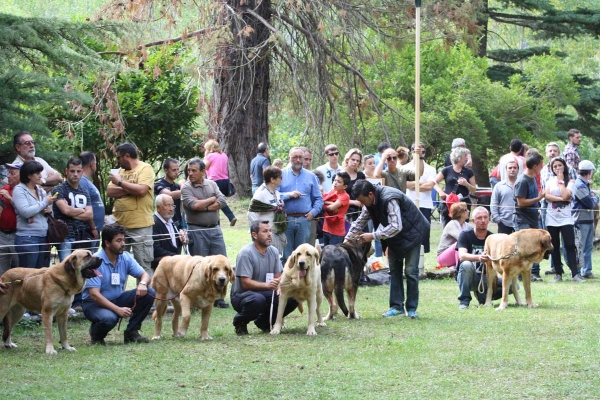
(120, 182)
(206, 209)
(143, 283)
(43, 181)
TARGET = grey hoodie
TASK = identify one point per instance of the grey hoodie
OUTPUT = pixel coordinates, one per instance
(31, 220)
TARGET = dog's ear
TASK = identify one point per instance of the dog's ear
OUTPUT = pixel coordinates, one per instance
(69, 267)
(230, 273)
(207, 268)
(291, 261)
(547, 241)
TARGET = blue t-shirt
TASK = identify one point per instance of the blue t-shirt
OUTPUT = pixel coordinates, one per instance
(126, 265)
(97, 204)
(526, 187)
(257, 165)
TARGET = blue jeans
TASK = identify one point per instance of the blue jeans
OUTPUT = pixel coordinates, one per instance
(223, 185)
(468, 281)
(67, 247)
(103, 319)
(587, 242)
(397, 259)
(535, 268)
(297, 233)
(34, 251)
(328, 238)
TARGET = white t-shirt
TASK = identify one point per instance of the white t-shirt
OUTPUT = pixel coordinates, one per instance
(558, 213)
(425, 200)
(329, 176)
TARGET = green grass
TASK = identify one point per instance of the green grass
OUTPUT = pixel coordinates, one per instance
(548, 352)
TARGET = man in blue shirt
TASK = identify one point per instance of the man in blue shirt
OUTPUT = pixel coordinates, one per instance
(303, 201)
(105, 301)
(88, 162)
(258, 164)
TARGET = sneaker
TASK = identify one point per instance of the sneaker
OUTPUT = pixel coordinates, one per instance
(589, 276)
(220, 303)
(241, 328)
(134, 337)
(233, 221)
(412, 314)
(393, 312)
(463, 306)
(557, 278)
(578, 278)
(26, 315)
(551, 272)
(536, 278)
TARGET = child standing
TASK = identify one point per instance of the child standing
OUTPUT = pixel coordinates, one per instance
(336, 203)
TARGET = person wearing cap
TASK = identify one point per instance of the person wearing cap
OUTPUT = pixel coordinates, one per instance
(584, 202)
(8, 220)
(25, 147)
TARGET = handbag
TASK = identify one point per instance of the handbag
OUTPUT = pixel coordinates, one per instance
(57, 230)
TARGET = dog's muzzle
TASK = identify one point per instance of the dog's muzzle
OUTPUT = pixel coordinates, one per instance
(221, 282)
(302, 267)
(89, 270)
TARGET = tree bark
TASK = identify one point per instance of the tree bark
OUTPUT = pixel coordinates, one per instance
(240, 103)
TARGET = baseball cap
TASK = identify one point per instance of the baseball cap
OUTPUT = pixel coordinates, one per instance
(458, 142)
(586, 165)
(15, 166)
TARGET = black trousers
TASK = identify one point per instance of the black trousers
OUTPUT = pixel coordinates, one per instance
(255, 306)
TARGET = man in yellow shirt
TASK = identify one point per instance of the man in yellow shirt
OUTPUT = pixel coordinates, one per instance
(132, 187)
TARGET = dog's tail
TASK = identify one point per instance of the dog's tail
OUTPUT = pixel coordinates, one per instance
(339, 282)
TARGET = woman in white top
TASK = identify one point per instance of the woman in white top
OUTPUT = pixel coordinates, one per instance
(559, 219)
(266, 203)
(447, 252)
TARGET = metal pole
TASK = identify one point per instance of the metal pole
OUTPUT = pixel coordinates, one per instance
(417, 95)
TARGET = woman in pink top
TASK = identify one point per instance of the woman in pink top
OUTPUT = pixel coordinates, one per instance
(216, 170)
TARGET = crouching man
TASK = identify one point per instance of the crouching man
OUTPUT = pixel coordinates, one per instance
(258, 270)
(105, 301)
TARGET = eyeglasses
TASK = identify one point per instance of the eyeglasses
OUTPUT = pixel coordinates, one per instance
(391, 158)
(28, 143)
(337, 153)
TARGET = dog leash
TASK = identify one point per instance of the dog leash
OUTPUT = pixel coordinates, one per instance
(514, 253)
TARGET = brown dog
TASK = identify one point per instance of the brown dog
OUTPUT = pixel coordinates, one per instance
(511, 255)
(46, 290)
(301, 279)
(208, 278)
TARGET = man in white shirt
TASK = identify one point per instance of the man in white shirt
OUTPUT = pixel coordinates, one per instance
(25, 148)
(331, 167)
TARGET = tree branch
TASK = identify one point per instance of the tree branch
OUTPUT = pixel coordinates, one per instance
(199, 32)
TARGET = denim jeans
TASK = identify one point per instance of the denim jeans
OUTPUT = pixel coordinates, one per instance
(535, 268)
(297, 233)
(103, 319)
(328, 238)
(67, 247)
(397, 259)
(587, 242)
(34, 251)
(223, 185)
(255, 306)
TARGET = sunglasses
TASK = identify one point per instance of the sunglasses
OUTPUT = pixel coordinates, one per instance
(337, 153)
(392, 158)
(28, 143)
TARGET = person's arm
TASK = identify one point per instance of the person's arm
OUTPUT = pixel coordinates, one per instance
(357, 226)
(81, 214)
(250, 284)
(394, 222)
(317, 199)
(334, 206)
(495, 203)
(23, 208)
(525, 202)
(103, 302)
(175, 194)
(159, 238)
(142, 288)
(379, 168)
(437, 187)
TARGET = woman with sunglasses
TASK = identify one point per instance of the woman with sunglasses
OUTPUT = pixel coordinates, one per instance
(458, 179)
(351, 164)
(559, 219)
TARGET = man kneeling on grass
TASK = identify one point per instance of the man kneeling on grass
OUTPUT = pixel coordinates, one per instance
(104, 300)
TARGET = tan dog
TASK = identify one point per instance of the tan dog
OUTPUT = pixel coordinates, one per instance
(514, 254)
(46, 290)
(208, 279)
(301, 279)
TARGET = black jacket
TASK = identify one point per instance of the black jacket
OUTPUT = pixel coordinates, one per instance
(162, 241)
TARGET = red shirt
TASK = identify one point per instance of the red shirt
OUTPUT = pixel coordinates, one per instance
(8, 218)
(335, 223)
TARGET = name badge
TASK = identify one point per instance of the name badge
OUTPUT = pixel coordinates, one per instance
(115, 279)
(270, 277)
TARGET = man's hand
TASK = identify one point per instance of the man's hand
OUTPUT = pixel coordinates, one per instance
(124, 312)
(141, 291)
(183, 236)
(95, 234)
(483, 257)
(365, 237)
(309, 216)
(295, 194)
(541, 194)
(274, 284)
(115, 178)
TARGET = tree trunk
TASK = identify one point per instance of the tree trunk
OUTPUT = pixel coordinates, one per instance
(240, 104)
(483, 22)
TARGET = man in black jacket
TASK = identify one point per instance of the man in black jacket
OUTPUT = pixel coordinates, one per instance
(167, 240)
(401, 227)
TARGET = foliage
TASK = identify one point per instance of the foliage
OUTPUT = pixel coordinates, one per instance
(42, 59)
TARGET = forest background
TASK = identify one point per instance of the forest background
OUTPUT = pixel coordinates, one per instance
(168, 74)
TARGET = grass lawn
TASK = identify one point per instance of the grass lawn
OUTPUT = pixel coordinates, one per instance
(548, 352)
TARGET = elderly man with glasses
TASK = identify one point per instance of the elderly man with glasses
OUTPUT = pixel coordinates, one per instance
(25, 148)
(331, 167)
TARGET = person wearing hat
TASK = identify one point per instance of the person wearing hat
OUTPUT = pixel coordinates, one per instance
(584, 203)
(8, 220)
(458, 142)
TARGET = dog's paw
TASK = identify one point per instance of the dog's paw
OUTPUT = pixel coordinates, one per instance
(179, 334)
(501, 307)
(275, 331)
(69, 348)
(311, 332)
(532, 305)
(321, 324)
(203, 338)
(51, 351)
(10, 345)
(353, 316)
(157, 337)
